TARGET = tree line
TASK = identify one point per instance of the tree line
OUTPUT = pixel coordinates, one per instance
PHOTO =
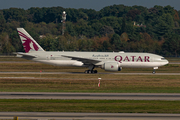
(113, 28)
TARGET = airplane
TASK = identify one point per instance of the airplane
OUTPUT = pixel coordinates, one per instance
(109, 61)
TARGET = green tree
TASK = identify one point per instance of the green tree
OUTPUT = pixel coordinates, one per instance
(106, 46)
(169, 9)
(2, 22)
(161, 28)
(106, 30)
(15, 41)
(90, 14)
(123, 28)
(116, 42)
(133, 13)
(83, 29)
(70, 29)
(49, 43)
(39, 15)
(97, 27)
(72, 15)
(83, 15)
(62, 43)
(16, 14)
(6, 44)
(82, 43)
(171, 45)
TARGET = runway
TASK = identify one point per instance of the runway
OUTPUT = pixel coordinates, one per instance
(85, 116)
(84, 73)
(90, 96)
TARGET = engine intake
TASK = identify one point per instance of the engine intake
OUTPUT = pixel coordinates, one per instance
(111, 66)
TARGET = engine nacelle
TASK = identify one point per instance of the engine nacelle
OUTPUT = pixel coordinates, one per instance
(111, 66)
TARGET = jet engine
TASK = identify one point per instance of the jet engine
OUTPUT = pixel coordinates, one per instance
(111, 66)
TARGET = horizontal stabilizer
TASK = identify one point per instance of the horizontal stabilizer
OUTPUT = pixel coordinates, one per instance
(24, 55)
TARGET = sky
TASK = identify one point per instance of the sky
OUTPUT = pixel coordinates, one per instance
(88, 4)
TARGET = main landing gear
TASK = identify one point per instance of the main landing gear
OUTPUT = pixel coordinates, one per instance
(91, 67)
(90, 71)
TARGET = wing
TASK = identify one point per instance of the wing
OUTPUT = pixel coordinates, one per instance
(86, 61)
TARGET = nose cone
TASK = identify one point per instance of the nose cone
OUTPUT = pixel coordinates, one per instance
(165, 62)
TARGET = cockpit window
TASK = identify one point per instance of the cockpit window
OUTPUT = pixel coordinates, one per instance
(163, 59)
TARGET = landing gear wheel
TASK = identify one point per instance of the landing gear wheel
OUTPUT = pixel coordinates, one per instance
(86, 71)
(153, 72)
(90, 71)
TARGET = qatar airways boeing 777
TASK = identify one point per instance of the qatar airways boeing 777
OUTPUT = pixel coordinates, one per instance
(109, 61)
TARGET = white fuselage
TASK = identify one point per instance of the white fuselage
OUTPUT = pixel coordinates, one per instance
(137, 60)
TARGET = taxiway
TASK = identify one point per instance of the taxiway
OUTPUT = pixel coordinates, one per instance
(90, 96)
(85, 73)
(83, 116)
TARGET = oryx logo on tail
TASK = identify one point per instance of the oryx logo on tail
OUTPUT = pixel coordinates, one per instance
(28, 44)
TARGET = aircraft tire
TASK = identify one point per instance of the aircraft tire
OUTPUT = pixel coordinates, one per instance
(95, 71)
(86, 71)
(90, 71)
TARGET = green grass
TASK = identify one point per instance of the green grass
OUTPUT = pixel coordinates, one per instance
(89, 83)
(12, 58)
(100, 106)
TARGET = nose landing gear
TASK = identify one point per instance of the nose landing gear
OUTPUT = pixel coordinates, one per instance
(154, 70)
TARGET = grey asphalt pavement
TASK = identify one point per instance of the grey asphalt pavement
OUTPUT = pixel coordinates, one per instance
(90, 96)
(88, 116)
(84, 73)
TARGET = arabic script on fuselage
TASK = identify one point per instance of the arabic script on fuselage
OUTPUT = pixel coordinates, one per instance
(100, 55)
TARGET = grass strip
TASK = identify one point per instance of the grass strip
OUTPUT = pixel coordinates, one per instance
(89, 83)
(100, 106)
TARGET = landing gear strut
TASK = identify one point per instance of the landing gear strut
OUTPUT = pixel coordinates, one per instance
(154, 70)
(91, 67)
